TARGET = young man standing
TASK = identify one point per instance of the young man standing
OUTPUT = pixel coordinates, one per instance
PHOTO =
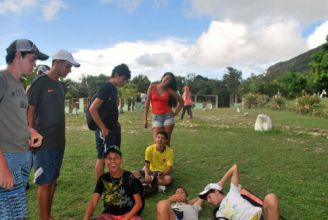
(120, 189)
(233, 206)
(104, 111)
(15, 135)
(158, 161)
(46, 113)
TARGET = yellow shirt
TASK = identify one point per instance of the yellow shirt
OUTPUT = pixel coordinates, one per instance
(159, 161)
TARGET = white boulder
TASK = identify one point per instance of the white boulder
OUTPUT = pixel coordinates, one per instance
(263, 123)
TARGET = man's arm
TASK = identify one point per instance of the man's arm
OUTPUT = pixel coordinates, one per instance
(137, 206)
(35, 138)
(147, 171)
(91, 206)
(6, 177)
(147, 104)
(96, 117)
(232, 173)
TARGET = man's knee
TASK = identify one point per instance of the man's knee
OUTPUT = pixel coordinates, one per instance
(163, 206)
(271, 201)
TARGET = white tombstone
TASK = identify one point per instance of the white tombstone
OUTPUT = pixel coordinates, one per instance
(323, 93)
(263, 123)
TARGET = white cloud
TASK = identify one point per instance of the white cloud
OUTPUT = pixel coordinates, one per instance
(235, 44)
(151, 58)
(250, 48)
(16, 6)
(251, 10)
(319, 35)
(51, 8)
(154, 60)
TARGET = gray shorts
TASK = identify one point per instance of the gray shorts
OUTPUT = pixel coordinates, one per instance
(163, 120)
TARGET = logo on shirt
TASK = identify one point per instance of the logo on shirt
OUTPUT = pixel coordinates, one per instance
(50, 90)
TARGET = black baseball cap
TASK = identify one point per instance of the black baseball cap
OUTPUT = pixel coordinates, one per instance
(25, 45)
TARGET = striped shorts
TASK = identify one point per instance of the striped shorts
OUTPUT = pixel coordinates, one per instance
(13, 201)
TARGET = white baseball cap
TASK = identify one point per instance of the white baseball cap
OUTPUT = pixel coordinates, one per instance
(65, 55)
(208, 188)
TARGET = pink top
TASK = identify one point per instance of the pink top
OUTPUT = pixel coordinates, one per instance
(186, 96)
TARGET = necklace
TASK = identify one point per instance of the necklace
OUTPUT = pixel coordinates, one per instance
(117, 182)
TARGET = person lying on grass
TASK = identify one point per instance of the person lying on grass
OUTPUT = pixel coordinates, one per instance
(233, 206)
(178, 207)
(158, 161)
(120, 189)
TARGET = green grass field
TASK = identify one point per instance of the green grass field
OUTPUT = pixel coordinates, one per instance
(291, 160)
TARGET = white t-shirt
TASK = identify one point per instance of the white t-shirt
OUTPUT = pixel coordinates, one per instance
(190, 212)
(235, 207)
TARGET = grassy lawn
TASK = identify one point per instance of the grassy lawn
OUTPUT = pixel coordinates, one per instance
(291, 160)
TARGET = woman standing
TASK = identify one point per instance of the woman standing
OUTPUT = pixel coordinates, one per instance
(163, 97)
(186, 96)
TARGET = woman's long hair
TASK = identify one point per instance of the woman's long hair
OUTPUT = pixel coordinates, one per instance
(173, 85)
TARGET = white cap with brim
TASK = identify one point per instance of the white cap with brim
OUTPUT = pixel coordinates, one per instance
(65, 55)
(208, 188)
(24, 45)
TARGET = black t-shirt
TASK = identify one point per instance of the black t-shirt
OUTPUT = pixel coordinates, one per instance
(48, 97)
(118, 193)
(108, 111)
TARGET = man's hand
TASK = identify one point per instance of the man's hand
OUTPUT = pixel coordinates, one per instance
(147, 178)
(146, 123)
(35, 138)
(6, 177)
(104, 132)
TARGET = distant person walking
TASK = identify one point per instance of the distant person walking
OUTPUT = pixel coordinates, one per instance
(46, 113)
(163, 97)
(15, 135)
(104, 111)
(187, 98)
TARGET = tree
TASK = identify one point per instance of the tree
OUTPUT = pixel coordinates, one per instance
(141, 82)
(319, 66)
(292, 84)
(232, 81)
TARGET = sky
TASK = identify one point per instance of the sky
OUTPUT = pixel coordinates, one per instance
(157, 36)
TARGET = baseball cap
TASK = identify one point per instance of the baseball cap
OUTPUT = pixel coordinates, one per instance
(115, 149)
(24, 45)
(65, 55)
(210, 187)
(43, 68)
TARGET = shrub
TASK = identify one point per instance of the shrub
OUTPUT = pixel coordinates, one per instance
(254, 100)
(261, 100)
(278, 103)
(306, 103)
(249, 101)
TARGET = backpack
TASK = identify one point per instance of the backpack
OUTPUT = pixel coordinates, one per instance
(90, 122)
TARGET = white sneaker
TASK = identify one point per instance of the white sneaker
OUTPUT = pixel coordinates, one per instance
(161, 188)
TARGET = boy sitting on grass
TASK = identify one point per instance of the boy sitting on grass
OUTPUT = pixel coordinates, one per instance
(158, 161)
(120, 189)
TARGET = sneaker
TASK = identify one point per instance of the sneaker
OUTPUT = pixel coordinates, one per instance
(161, 188)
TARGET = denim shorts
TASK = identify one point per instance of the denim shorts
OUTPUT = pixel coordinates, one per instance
(13, 201)
(47, 164)
(114, 138)
(163, 120)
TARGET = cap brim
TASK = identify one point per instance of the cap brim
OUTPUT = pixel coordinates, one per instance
(75, 64)
(203, 194)
(41, 56)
